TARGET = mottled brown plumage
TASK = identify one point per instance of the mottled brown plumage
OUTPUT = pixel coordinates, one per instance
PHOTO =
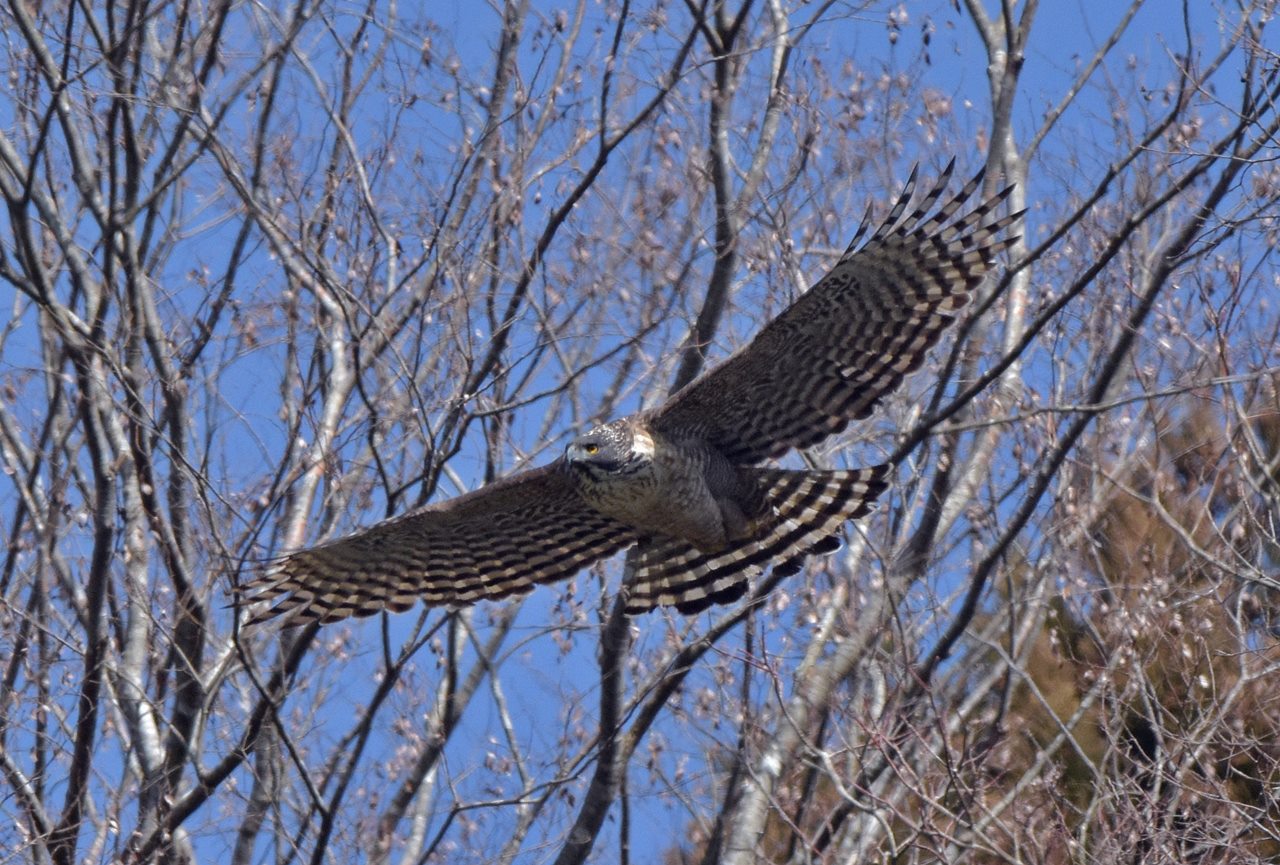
(682, 482)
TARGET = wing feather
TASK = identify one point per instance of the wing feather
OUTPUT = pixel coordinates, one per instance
(500, 540)
(844, 344)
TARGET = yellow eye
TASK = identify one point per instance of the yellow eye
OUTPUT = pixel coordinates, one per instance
(591, 449)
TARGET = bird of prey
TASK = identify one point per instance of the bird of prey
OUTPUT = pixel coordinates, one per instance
(687, 483)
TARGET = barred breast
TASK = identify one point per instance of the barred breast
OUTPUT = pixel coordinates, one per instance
(663, 489)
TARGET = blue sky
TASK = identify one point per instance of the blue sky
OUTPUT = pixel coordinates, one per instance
(1064, 36)
(554, 680)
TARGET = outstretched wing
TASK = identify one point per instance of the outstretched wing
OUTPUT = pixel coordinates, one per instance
(833, 354)
(502, 539)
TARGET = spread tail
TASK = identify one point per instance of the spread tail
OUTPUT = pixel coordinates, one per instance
(805, 512)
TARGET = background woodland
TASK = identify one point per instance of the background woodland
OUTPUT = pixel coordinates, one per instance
(271, 272)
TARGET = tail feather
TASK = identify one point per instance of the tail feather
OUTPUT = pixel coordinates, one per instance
(806, 510)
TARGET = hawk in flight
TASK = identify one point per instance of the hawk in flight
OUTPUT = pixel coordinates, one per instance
(686, 483)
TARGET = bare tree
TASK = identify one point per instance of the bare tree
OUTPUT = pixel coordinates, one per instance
(280, 272)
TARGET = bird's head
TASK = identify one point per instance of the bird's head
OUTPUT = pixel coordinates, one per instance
(612, 448)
